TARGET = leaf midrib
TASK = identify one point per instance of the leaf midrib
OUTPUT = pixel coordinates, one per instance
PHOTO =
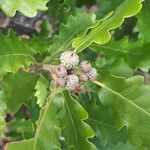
(43, 118)
(122, 97)
(108, 21)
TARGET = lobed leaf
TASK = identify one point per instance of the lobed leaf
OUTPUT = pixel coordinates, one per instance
(100, 34)
(23, 145)
(28, 8)
(41, 90)
(14, 54)
(120, 146)
(47, 132)
(75, 131)
(21, 126)
(143, 21)
(46, 136)
(18, 89)
(105, 6)
(39, 43)
(101, 119)
(2, 111)
(130, 101)
(74, 27)
(61, 9)
(122, 57)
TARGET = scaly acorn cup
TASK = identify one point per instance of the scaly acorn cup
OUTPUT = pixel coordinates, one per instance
(92, 74)
(72, 82)
(60, 71)
(85, 66)
(83, 77)
(72, 77)
(69, 59)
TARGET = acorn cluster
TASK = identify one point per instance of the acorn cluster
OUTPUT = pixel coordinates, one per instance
(70, 73)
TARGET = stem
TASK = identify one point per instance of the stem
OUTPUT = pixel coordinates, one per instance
(121, 96)
(41, 68)
(44, 67)
(75, 51)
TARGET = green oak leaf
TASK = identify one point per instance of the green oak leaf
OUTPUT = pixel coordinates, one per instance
(61, 9)
(18, 89)
(101, 119)
(116, 58)
(130, 101)
(24, 127)
(2, 111)
(34, 109)
(41, 90)
(14, 54)
(38, 43)
(75, 131)
(105, 6)
(74, 27)
(122, 57)
(80, 3)
(143, 21)
(23, 145)
(28, 8)
(100, 33)
(47, 132)
(119, 146)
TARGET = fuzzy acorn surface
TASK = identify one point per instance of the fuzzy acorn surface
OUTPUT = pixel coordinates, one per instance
(70, 74)
(69, 59)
